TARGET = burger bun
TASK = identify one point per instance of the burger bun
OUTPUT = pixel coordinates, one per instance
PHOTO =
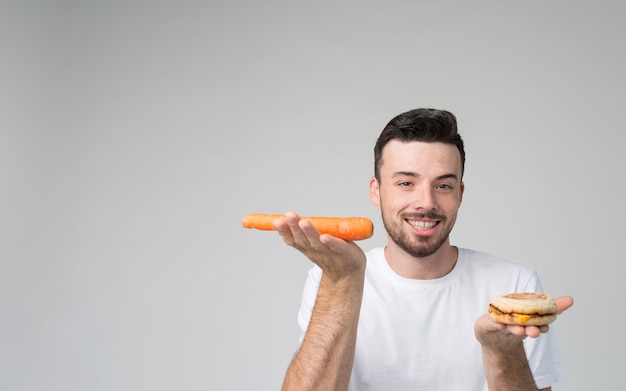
(525, 309)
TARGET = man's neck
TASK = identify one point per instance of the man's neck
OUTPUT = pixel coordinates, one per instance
(431, 267)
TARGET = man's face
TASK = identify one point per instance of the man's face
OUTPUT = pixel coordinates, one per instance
(419, 193)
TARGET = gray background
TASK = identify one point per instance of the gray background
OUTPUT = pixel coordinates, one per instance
(135, 135)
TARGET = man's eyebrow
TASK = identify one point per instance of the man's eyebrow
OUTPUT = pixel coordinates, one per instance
(405, 173)
(448, 176)
(415, 175)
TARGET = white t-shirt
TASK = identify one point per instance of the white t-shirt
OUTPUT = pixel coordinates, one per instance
(419, 334)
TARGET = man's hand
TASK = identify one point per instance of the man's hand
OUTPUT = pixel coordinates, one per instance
(504, 358)
(500, 337)
(336, 257)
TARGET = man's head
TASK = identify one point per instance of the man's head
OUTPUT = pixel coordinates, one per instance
(428, 125)
(418, 181)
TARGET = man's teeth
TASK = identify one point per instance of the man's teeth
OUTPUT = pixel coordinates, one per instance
(422, 224)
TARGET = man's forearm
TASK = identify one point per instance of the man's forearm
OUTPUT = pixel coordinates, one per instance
(508, 371)
(324, 361)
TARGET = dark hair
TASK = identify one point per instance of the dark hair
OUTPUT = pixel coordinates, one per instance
(427, 125)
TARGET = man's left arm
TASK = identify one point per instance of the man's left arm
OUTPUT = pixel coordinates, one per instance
(504, 358)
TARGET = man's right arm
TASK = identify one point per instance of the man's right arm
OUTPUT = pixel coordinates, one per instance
(325, 358)
(324, 361)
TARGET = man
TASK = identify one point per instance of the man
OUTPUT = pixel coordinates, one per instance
(411, 315)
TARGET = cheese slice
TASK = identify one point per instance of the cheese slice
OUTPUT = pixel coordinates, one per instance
(522, 318)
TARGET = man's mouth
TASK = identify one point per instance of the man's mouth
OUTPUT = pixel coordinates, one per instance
(422, 225)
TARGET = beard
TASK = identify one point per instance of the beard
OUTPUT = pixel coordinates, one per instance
(417, 246)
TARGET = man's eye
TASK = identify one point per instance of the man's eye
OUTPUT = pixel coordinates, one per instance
(405, 184)
(444, 186)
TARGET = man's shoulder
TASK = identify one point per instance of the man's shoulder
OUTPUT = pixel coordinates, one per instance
(481, 259)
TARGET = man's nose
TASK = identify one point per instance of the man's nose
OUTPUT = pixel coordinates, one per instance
(424, 199)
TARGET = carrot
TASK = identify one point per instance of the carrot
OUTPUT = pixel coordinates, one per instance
(346, 228)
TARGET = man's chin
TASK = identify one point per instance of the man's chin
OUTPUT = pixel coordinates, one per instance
(423, 250)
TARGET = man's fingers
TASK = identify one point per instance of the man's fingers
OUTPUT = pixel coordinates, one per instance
(335, 244)
(532, 331)
(563, 303)
(300, 239)
(284, 231)
(307, 228)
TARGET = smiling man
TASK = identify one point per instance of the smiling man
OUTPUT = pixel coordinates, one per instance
(411, 315)
(419, 207)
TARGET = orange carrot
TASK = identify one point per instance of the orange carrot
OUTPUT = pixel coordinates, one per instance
(346, 228)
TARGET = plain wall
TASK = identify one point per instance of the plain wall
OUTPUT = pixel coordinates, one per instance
(136, 134)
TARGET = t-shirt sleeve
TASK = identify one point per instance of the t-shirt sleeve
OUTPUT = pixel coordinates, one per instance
(309, 294)
(542, 352)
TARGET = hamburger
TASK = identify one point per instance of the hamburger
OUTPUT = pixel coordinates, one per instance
(525, 309)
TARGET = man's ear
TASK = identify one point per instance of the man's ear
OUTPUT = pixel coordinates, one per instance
(374, 191)
(462, 190)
